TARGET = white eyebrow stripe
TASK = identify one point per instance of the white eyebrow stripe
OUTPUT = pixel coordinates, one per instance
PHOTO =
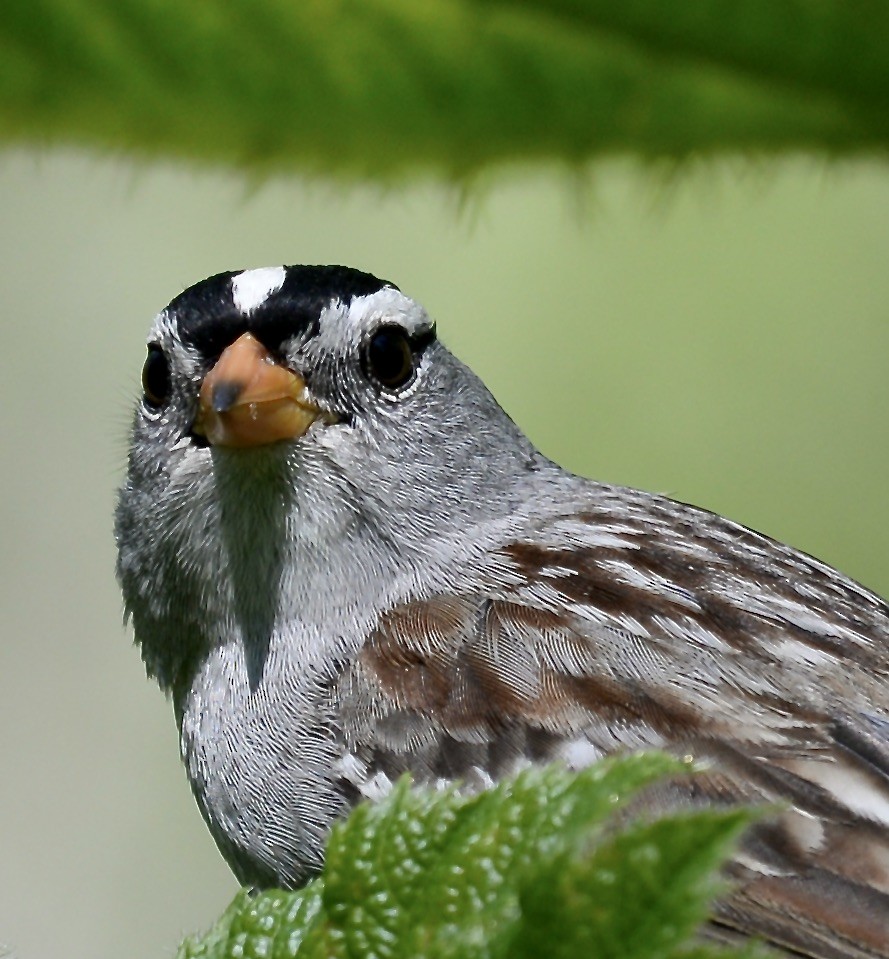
(252, 288)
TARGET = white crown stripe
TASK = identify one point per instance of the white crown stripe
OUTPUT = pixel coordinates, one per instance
(252, 288)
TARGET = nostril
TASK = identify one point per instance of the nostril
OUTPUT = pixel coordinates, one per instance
(225, 395)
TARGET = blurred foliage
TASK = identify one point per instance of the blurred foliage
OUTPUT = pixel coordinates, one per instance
(537, 866)
(381, 87)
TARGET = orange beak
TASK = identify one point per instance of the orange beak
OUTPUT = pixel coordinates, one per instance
(248, 399)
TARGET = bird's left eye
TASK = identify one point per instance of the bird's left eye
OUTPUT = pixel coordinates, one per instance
(156, 377)
(390, 360)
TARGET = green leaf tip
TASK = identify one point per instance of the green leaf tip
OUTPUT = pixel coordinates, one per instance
(547, 863)
(383, 88)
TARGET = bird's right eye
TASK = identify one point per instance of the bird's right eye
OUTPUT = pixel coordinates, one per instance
(156, 377)
(389, 357)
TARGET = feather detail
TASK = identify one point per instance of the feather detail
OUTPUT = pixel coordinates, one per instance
(707, 645)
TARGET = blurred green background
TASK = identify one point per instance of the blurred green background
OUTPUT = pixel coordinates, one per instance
(722, 336)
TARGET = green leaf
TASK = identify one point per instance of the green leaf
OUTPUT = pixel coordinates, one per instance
(270, 924)
(543, 864)
(384, 87)
(642, 893)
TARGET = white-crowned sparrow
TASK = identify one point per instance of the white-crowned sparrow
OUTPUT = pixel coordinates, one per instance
(343, 561)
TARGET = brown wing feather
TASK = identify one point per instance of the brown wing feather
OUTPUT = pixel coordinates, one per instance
(704, 639)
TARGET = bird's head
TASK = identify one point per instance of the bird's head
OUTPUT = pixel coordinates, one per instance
(298, 426)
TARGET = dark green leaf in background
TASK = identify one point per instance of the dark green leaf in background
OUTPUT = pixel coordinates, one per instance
(383, 87)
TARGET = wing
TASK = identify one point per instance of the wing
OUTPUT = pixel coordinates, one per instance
(638, 622)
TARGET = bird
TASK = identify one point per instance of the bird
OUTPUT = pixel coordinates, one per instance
(344, 562)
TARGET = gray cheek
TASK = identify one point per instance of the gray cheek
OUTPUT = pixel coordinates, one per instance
(169, 561)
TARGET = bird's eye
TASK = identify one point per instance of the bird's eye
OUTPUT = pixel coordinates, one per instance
(390, 359)
(156, 377)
